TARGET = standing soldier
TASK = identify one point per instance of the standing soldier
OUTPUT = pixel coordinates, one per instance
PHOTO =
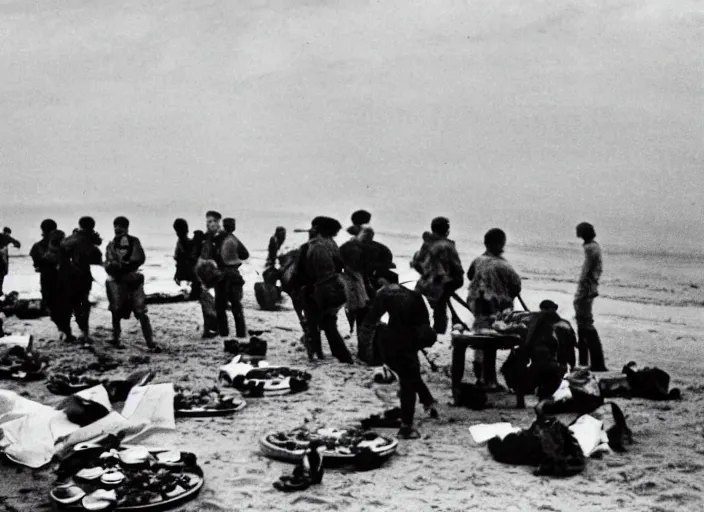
(78, 252)
(45, 259)
(589, 343)
(125, 285)
(230, 256)
(5, 241)
(440, 270)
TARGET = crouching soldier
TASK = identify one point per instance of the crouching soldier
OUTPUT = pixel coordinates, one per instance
(125, 285)
(545, 357)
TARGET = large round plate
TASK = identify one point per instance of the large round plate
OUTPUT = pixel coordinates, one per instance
(202, 412)
(294, 456)
(194, 472)
(176, 500)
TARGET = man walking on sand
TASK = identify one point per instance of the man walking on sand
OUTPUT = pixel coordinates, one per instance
(408, 331)
(440, 268)
(78, 252)
(125, 285)
(589, 344)
(46, 262)
(317, 279)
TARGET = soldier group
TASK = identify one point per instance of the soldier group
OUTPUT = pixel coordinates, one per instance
(321, 279)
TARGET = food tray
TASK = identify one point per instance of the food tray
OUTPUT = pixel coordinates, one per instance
(294, 456)
(195, 473)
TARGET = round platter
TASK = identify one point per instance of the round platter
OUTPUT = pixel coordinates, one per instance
(282, 453)
(194, 473)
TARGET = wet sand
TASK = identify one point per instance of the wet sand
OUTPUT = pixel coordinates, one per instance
(445, 470)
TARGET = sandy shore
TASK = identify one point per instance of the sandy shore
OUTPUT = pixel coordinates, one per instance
(445, 470)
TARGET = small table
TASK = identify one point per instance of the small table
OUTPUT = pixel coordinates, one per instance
(461, 342)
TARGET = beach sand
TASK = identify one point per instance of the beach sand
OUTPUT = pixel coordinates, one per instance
(445, 470)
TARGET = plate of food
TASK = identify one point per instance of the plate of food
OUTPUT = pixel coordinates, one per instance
(341, 445)
(126, 478)
(69, 383)
(205, 402)
(19, 363)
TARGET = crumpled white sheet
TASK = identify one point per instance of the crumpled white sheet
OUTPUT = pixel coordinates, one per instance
(33, 433)
(483, 432)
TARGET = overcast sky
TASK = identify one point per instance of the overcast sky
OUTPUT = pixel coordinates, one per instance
(523, 113)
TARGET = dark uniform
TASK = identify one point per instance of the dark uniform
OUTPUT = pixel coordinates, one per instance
(317, 277)
(401, 340)
(124, 256)
(45, 257)
(78, 252)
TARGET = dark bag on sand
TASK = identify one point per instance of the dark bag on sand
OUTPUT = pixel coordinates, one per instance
(267, 295)
(650, 383)
(547, 444)
(470, 396)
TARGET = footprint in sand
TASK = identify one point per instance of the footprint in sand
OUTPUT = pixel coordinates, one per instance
(645, 488)
(312, 500)
(243, 481)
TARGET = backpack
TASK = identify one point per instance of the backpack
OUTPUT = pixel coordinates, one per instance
(650, 383)
(547, 444)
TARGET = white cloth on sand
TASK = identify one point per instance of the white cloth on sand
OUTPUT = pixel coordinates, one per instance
(563, 393)
(483, 432)
(33, 433)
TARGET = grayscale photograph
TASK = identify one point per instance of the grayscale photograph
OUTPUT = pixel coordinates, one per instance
(362, 255)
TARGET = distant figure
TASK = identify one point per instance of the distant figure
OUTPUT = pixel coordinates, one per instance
(440, 270)
(318, 281)
(124, 256)
(589, 344)
(494, 285)
(78, 252)
(229, 255)
(408, 331)
(45, 258)
(5, 241)
(186, 256)
(275, 244)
